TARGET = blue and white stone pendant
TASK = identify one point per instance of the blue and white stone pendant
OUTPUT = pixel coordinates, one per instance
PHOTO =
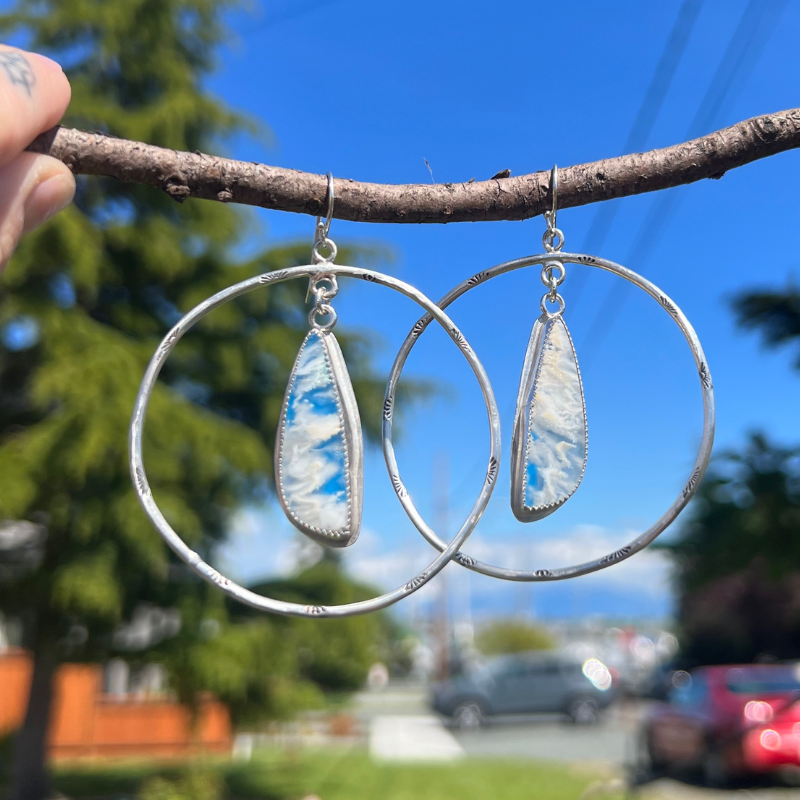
(320, 452)
(549, 445)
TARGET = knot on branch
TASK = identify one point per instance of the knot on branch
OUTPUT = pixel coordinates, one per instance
(177, 188)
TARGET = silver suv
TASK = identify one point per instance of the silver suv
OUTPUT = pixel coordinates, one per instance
(524, 684)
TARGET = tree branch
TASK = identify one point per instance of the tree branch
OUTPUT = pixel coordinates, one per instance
(184, 175)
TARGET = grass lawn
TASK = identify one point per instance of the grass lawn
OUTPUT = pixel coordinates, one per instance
(351, 776)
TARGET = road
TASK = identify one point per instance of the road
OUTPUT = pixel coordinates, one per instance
(543, 737)
(607, 746)
(553, 739)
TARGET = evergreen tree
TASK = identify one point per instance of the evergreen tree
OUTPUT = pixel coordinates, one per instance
(773, 313)
(504, 636)
(738, 559)
(84, 303)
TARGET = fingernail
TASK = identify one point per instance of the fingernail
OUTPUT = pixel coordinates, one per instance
(45, 61)
(47, 199)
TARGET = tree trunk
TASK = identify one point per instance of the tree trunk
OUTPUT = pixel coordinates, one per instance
(29, 776)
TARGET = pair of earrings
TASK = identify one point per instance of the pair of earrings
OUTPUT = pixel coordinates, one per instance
(319, 449)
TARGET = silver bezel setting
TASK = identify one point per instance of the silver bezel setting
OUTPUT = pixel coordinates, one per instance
(353, 450)
(193, 559)
(697, 471)
(520, 443)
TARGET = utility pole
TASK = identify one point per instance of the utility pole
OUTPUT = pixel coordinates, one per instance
(441, 509)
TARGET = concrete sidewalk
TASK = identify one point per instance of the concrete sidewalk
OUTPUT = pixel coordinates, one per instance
(412, 738)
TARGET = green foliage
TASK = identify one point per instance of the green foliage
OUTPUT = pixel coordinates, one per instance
(340, 777)
(356, 776)
(334, 654)
(512, 636)
(738, 559)
(102, 283)
(195, 784)
(248, 661)
(99, 286)
(775, 314)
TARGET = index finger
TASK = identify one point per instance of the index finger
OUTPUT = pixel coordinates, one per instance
(34, 94)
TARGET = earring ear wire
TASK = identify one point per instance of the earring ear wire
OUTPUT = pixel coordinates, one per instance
(323, 228)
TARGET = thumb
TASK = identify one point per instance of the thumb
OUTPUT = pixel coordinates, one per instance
(33, 188)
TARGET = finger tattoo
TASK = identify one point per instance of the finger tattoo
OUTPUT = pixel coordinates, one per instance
(18, 70)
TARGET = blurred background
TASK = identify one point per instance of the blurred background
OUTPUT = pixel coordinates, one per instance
(673, 674)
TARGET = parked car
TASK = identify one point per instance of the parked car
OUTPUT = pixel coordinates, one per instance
(523, 684)
(725, 722)
(655, 684)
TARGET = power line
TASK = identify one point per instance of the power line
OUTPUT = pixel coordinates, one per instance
(642, 127)
(287, 14)
(744, 49)
(646, 116)
(742, 53)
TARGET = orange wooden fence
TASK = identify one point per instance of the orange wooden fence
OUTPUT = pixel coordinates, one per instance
(86, 722)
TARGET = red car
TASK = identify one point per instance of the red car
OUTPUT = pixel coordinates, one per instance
(727, 722)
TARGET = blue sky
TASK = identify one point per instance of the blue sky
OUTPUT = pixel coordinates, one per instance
(369, 91)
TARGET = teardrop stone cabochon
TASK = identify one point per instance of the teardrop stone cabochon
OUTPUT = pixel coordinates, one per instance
(319, 453)
(549, 446)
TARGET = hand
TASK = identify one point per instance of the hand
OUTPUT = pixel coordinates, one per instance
(34, 93)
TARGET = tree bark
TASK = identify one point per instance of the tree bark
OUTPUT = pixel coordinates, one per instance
(184, 175)
(30, 779)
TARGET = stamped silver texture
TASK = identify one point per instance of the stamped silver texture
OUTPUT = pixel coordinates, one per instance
(549, 443)
(695, 475)
(193, 559)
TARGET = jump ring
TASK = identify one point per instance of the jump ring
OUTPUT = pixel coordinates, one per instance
(557, 299)
(550, 236)
(548, 279)
(325, 242)
(320, 291)
(322, 310)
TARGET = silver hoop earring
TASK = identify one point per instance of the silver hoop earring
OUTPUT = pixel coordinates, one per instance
(321, 364)
(550, 348)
